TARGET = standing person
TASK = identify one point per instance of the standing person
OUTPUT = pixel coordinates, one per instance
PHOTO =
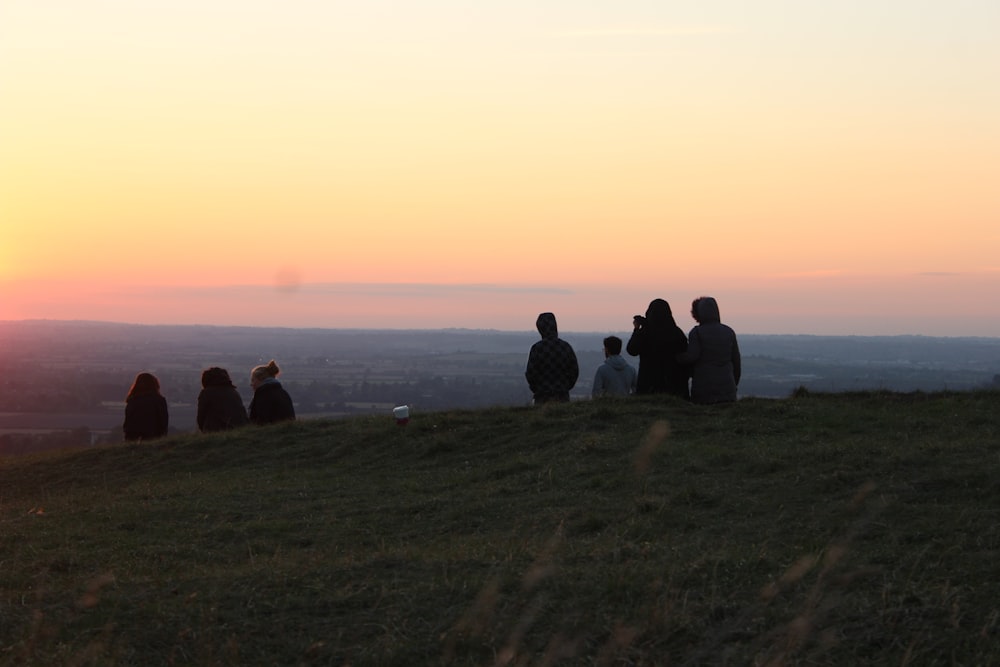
(657, 340)
(615, 377)
(270, 402)
(220, 406)
(552, 367)
(146, 415)
(714, 354)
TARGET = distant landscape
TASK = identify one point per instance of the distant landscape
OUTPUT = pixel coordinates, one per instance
(62, 383)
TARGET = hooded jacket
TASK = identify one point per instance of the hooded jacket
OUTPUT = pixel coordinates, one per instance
(714, 354)
(657, 343)
(552, 368)
(615, 377)
(220, 408)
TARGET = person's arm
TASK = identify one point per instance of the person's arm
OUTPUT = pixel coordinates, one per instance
(737, 362)
(693, 351)
(634, 345)
(531, 370)
(202, 410)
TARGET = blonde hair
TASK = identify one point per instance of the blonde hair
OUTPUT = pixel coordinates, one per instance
(271, 370)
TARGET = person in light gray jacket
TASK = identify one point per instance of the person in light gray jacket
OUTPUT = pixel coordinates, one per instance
(713, 353)
(615, 377)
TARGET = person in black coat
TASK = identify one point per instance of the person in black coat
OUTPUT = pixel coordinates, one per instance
(552, 368)
(146, 415)
(220, 406)
(270, 402)
(657, 340)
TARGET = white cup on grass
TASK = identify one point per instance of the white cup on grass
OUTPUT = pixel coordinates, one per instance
(402, 414)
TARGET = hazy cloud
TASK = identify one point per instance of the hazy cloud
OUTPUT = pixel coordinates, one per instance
(669, 31)
(817, 273)
(430, 289)
(375, 289)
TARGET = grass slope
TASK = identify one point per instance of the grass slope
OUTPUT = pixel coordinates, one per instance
(821, 529)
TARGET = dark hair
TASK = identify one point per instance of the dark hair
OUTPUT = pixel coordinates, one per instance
(144, 383)
(216, 377)
(613, 344)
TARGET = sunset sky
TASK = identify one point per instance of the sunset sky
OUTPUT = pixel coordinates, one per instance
(818, 167)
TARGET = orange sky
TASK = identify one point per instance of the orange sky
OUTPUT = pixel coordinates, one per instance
(310, 164)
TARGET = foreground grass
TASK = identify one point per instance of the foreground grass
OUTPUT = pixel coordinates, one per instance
(824, 529)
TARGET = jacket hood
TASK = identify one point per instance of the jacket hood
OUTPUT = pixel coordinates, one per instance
(616, 361)
(706, 310)
(546, 325)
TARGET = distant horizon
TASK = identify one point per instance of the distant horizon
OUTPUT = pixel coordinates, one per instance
(430, 329)
(814, 305)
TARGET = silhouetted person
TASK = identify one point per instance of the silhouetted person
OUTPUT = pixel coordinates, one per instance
(615, 377)
(270, 402)
(714, 355)
(220, 406)
(146, 415)
(552, 367)
(657, 340)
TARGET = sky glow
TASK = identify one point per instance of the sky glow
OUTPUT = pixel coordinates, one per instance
(818, 168)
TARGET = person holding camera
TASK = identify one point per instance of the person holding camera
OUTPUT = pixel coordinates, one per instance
(657, 341)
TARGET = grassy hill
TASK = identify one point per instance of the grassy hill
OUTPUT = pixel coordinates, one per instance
(821, 529)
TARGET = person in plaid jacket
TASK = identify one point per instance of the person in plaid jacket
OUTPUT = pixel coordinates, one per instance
(552, 366)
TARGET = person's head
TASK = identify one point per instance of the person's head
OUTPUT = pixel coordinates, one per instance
(659, 312)
(546, 325)
(216, 377)
(705, 310)
(612, 346)
(261, 374)
(144, 383)
(658, 309)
